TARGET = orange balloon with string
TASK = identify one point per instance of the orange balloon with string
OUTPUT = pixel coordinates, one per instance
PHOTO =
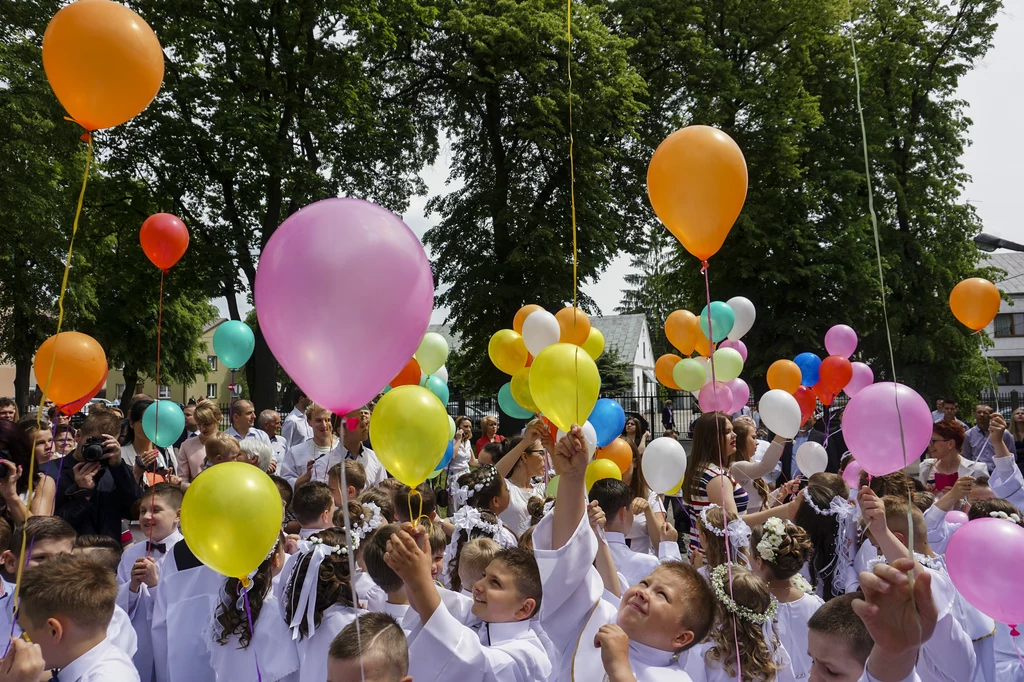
(78, 365)
(164, 239)
(975, 302)
(619, 452)
(703, 345)
(682, 328)
(409, 375)
(574, 325)
(73, 407)
(663, 370)
(524, 312)
(784, 375)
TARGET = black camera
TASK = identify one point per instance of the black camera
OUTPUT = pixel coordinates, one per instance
(92, 449)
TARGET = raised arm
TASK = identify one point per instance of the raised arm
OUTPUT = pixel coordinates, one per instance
(570, 462)
(771, 457)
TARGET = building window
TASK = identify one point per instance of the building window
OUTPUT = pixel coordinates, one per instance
(211, 391)
(165, 392)
(1009, 324)
(118, 390)
(212, 361)
(1014, 374)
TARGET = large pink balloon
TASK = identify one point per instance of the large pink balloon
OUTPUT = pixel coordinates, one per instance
(979, 558)
(737, 345)
(740, 393)
(715, 397)
(861, 379)
(872, 427)
(344, 294)
(841, 340)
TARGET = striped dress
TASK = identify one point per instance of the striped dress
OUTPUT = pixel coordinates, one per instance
(700, 500)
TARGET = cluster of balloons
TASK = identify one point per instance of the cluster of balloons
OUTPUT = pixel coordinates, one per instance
(713, 374)
(550, 359)
(426, 368)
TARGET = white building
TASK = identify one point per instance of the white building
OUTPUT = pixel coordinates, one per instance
(1008, 328)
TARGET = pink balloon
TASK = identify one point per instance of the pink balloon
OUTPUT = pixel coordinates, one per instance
(956, 517)
(872, 427)
(862, 378)
(343, 293)
(851, 474)
(737, 345)
(841, 340)
(979, 558)
(715, 397)
(740, 394)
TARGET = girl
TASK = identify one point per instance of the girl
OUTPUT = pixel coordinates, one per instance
(520, 465)
(235, 651)
(317, 614)
(635, 433)
(780, 549)
(647, 519)
(141, 454)
(710, 530)
(825, 512)
(747, 472)
(485, 489)
(16, 452)
(470, 524)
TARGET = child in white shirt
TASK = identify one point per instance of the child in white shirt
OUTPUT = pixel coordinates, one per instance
(371, 648)
(474, 558)
(712, 531)
(313, 505)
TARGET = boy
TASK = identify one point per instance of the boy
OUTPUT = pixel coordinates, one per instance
(102, 549)
(423, 504)
(313, 505)
(355, 481)
(66, 607)
(395, 604)
(475, 557)
(438, 543)
(506, 600)
(375, 652)
(667, 612)
(221, 448)
(615, 498)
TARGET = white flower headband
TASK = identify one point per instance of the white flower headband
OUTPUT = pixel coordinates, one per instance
(845, 515)
(718, 578)
(773, 534)
(307, 598)
(468, 518)
(1004, 516)
(367, 526)
(739, 531)
(462, 493)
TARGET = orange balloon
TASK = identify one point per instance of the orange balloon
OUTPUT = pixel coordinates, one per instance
(697, 182)
(702, 345)
(73, 408)
(78, 364)
(575, 325)
(682, 329)
(103, 62)
(663, 370)
(619, 452)
(784, 375)
(164, 239)
(521, 316)
(975, 302)
(409, 376)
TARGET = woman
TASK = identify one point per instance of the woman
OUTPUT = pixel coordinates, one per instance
(648, 507)
(944, 464)
(138, 450)
(1017, 431)
(522, 462)
(489, 426)
(635, 431)
(16, 451)
(192, 453)
(748, 472)
(463, 457)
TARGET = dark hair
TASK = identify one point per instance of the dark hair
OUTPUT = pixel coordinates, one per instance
(522, 564)
(355, 474)
(101, 422)
(40, 528)
(311, 500)
(637, 483)
(5, 534)
(509, 446)
(822, 529)
(373, 556)
(950, 431)
(950, 401)
(837, 617)
(461, 537)
(924, 500)
(382, 500)
(426, 505)
(790, 556)
(106, 551)
(982, 508)
(284, 488)
(611, 495)
(743, 428)
(535, 508)
(19, 449)
(334, 584)
(495, 450)
(481, 499)
(374, 637)
(898, 484)
(708, 445)
(7, 402)
(233, 620)
(297, 395)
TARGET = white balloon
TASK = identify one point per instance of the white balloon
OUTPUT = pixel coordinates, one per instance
(540, 330)
(745, 315)
(811, 458)
(663, 464)
(707, 370)
(780, 412)
(442, 374)
(589, 434)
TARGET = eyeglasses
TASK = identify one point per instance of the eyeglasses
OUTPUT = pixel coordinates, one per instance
(939, 440)
(539, 451)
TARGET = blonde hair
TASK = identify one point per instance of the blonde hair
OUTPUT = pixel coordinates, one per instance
(714, 545)
(218, 445)
(313, 410)
(475, 556)
(756, 659)
(207, 413)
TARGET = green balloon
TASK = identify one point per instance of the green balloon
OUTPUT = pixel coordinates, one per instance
(451, 427)
(432, 353)
(509, 405)
(728, 364)
(689, 374)
(552, 489)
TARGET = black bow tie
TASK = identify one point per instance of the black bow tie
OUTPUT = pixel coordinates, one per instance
(158, 546)
(53, 675)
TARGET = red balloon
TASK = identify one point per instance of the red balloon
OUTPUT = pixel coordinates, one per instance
(164, 240)
(73, 407)
(409, 376)
(807, 401)
(835, 373)
(824, 395)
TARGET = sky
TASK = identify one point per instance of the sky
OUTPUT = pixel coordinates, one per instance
(994, 90)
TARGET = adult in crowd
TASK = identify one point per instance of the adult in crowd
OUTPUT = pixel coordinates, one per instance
(243, 422)
(270, 423)
(945, 465)
(750, 470)
(977, 446)
(56, 417)
(1016, 430)
(296, 429)
(648, 507)
(312, 458)
(355, 429)
(938, 413)
(191, 430)
(636, 431)
(16, 452)
(807, 432)
(668, 420)
(139, 452)
(257, 453)
(463, 456)
(950, 409)
(520, 465)
(489, 427)
(8, 410)
(192, 455)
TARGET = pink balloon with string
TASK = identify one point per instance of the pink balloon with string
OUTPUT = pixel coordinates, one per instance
(738, 346)
(715, 397)
(740, 394)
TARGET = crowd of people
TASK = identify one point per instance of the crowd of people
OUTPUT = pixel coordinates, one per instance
(753, 569)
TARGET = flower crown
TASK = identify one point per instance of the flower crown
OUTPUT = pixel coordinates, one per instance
(738, 530)
(1004, 516)
(773, 534)
(333, 549)
(718, 578)
(838, 506)
(462, 493)
(376, 520)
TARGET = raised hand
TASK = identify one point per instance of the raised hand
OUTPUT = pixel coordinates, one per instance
(614, 645)
(889, 612)
(571, 454)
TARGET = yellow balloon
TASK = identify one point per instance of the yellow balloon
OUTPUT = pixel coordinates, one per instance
(409, 429)
(602, 468)
(594, 345)
(507, 351)
(521, 390)
(675, 491)
(231, 517)
(565, 384)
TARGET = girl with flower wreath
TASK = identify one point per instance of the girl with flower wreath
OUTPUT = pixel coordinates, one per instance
(485, 489)
(710, 524)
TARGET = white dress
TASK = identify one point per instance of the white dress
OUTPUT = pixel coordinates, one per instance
(791, 624)
(639, 539)
(517, 517)
(272, 648)
(313, 650)
(700, 670)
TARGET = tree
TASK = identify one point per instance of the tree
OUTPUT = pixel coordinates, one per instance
(504, 238)
(616, 373)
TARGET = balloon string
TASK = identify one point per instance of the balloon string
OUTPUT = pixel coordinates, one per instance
(231, 402)
(572, 203)
(252, 633)
(352, 561)
(1013, 638)
(991, 378)
(156, 425)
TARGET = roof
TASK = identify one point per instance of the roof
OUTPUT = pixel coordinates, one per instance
(621, 333)
(1013, 263)
(216, 322)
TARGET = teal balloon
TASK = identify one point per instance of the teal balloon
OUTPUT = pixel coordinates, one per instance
(722, 320)
(436, 386)
(509, 405)
(165, 431)
(233, 342)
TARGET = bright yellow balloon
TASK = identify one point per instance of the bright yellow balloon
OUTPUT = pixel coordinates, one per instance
(507, 351)
(231, 517)
(675, 491)
(594, 345)
(409, 429)
(565, 384)
(600, 469)
(521, 390)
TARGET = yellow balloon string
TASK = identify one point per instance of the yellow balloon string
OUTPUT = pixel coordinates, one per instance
(572, 200)
(23, 560)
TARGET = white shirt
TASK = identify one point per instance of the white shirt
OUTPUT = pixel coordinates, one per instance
(792, 630)
(699, 670)
(271, 646)
(375, 473)
(635, 566)
(313, 650)
(296, 459)
(279, 446)
(182, 603)
(638, 536)
(138, 550)
(258, 434)
(102, 663)
(517, 516)
(129, 455)
(460, 459)
(296, 429)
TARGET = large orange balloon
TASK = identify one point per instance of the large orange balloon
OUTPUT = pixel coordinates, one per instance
(73, 408)
(524, 312)
(702, 345)
(663, 370)
(103, 62)
(682, 329)
(697, 182)
(975, 302)
(409, 376)
(617, 451)
(164, 239)
(574, 325)
(78, 365)
(784, 375)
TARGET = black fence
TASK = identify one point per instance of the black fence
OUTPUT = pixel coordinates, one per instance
(1005, 403)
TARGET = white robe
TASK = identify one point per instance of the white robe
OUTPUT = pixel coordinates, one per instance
(272, 648)
(182, 603)
(791, 624)
(699, 670)
(313, 650)
(635, 565)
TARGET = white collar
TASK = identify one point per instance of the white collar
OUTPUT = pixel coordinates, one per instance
(296, 413)
(612, 537)
(80, 666)
(506, 632)
(649, 655)
(306, 533)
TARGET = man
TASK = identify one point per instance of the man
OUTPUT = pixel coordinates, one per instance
(806, 433)
(977, 445)
(243, 422)
(270, 423)
(8, 409)
(191, 428)
(950, 407)
(667, 418)
(355, 428)
(939, 413)
(296, 429)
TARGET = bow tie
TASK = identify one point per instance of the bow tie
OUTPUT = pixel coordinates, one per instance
(158, 546)
(53, 675)
(192, 435)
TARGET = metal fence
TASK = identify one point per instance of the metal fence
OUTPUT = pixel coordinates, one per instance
(1004, 403)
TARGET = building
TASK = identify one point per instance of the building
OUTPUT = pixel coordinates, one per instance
(1007, 330)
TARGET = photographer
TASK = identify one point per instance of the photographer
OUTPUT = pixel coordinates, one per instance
(99, 490)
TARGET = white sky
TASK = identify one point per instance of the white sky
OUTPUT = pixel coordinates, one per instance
(995, 159)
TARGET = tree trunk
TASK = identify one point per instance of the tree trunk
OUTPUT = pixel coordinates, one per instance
(22, 370)
(261, 374)
(131, 381)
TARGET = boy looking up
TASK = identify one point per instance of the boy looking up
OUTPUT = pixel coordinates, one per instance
(376, 652)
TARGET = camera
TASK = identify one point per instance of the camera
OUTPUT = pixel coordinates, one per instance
(92, 449)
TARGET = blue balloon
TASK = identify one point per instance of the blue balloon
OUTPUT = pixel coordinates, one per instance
(448, 453)
(808, 364)
(233, 342)
(171, 423)
(509, 405)
(722, 320)
(437, 386)
(608, 419)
